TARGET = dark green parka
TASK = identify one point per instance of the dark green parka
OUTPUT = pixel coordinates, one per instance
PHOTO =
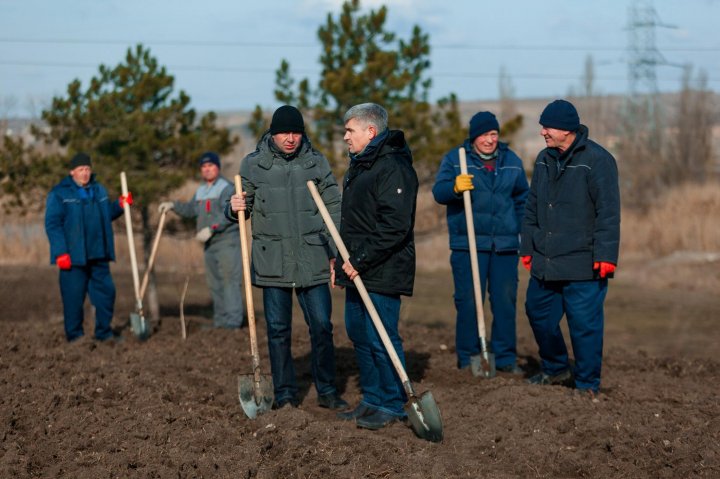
(291, 245)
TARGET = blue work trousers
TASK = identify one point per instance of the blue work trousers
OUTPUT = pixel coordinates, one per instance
(92, 279)
(499, 276)
(380, 384)
(316, 305)
(582, 303)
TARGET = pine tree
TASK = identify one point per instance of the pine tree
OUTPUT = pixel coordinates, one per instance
(363, 62)
(130, 119)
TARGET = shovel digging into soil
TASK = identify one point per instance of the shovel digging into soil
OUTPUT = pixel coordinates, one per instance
(138, 324)
(422, 411)
(255, 389)
(483, 364)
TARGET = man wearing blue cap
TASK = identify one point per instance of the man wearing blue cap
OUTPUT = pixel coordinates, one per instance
(221, 241)
(570, 241)
(498, 185)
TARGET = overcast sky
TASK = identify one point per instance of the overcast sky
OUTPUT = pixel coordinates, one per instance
(224, 53)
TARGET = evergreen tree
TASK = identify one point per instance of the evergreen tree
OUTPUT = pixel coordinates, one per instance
(363, 62)
(128, 118)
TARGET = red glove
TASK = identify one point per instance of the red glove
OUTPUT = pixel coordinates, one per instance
(125, 200)
(604, 267)
(526, 262)
(63, 261)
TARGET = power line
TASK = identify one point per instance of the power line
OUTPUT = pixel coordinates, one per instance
(253, 44)
(222, 69)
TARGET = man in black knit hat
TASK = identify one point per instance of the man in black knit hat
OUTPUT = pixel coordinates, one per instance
(570, 241)
(78, 219)
(291, 249)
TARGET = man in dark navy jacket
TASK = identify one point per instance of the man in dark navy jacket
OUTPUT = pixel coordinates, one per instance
(570, 241)
(499, 187)
(78, 220)
(376, 225)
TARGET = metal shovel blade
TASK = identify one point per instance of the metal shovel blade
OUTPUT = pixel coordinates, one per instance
(255, 398)
(424, 417)
(139, 326)
(482, 366)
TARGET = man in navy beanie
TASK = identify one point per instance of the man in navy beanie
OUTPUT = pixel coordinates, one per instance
(570, 242)
(498, 189)
(220, 240)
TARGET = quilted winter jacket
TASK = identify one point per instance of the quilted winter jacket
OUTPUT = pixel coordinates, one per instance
(291, 245)
(65, 222)
(498, 201)
(572, 216)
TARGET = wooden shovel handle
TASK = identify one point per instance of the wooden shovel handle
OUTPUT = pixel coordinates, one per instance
(247, 284)
(131, 240)
(153, 252)
(472, 246)
(361, 289)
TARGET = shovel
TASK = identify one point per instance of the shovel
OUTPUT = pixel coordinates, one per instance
(423, 413)
(255, 390)
(138, 324)
(153, 252)
(483, 364)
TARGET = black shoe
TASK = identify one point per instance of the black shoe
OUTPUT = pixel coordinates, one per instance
(376, 420)
(563, 379)
(360, 411)
(286, 403)
(511, 369)
(112, 339)
(332, 401)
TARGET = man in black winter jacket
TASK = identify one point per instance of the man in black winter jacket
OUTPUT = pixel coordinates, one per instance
(570, 241)
(377, 221)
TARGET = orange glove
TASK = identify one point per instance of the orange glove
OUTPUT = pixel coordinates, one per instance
(63, 261)
(604, 267)
(526, 262)
(125, 199)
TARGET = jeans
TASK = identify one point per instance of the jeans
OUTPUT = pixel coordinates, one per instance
(381, 386)
(316, 305)
(582, 303)
(223, 272)
(92, 279)
(498, 274)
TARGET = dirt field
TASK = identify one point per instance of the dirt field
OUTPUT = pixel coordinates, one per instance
(169, 408)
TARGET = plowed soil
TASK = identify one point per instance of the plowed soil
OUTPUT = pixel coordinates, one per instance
(169, 407)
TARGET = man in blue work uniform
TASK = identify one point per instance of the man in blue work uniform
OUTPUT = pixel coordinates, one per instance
(570, 242)
(498, 187)
(78, 220)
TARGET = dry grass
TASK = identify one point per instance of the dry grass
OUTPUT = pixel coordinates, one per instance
(685, 219)
(682, 228)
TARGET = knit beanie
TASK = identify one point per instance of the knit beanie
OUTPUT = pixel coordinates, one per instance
(210, 157)
(80, 159)
(560, 115)
(287, 119)
(482, 122)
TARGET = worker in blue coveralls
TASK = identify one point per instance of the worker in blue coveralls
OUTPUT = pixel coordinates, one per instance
(78, 219)
(498, 187)
(220, 240)
(570, 242)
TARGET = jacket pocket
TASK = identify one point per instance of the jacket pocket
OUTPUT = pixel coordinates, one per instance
(267, 257)
(318, 255)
